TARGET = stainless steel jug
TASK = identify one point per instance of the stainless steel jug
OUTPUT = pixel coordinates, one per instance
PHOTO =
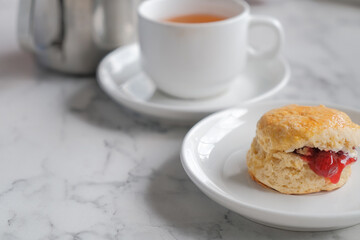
(73, 35)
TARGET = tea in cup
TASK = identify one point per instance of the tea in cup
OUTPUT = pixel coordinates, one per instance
(196, 18)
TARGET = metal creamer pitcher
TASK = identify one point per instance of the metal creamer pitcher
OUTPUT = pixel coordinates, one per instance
(73, 35)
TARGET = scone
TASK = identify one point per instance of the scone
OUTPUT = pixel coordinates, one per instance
(302, 149)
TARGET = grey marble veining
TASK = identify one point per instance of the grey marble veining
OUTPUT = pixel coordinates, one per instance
(74, 165)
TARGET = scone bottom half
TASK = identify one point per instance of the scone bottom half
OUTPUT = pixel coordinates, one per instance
(303, 149)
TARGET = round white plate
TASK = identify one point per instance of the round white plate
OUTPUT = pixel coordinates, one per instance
(121, 77)
(214, 156)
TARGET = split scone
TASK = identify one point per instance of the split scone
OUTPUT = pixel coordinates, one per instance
(302, 149)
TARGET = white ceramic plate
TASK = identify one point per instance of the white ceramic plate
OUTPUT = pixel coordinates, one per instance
(214, 156)
(121, 77)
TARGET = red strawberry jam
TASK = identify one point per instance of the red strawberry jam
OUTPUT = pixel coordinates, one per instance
(328, 164)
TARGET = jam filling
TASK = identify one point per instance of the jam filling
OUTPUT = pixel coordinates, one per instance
(328, 164)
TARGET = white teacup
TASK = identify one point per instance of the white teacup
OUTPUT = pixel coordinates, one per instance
(198, 60)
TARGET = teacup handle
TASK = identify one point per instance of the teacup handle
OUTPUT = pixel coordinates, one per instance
(276, 26)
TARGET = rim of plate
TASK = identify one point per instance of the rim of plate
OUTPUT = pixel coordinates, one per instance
(202, 185)
(111, 85)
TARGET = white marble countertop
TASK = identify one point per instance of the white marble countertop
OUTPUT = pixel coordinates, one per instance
(74, 165)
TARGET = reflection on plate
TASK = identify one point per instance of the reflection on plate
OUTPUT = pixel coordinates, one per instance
(214, 157)
(121, 77)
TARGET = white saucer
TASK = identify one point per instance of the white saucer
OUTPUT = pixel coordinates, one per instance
(213, 155)
(120, 76)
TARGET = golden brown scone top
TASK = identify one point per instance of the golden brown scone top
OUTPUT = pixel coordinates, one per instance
(293, 126)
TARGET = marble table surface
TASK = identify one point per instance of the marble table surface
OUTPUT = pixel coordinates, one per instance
(74, 165)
